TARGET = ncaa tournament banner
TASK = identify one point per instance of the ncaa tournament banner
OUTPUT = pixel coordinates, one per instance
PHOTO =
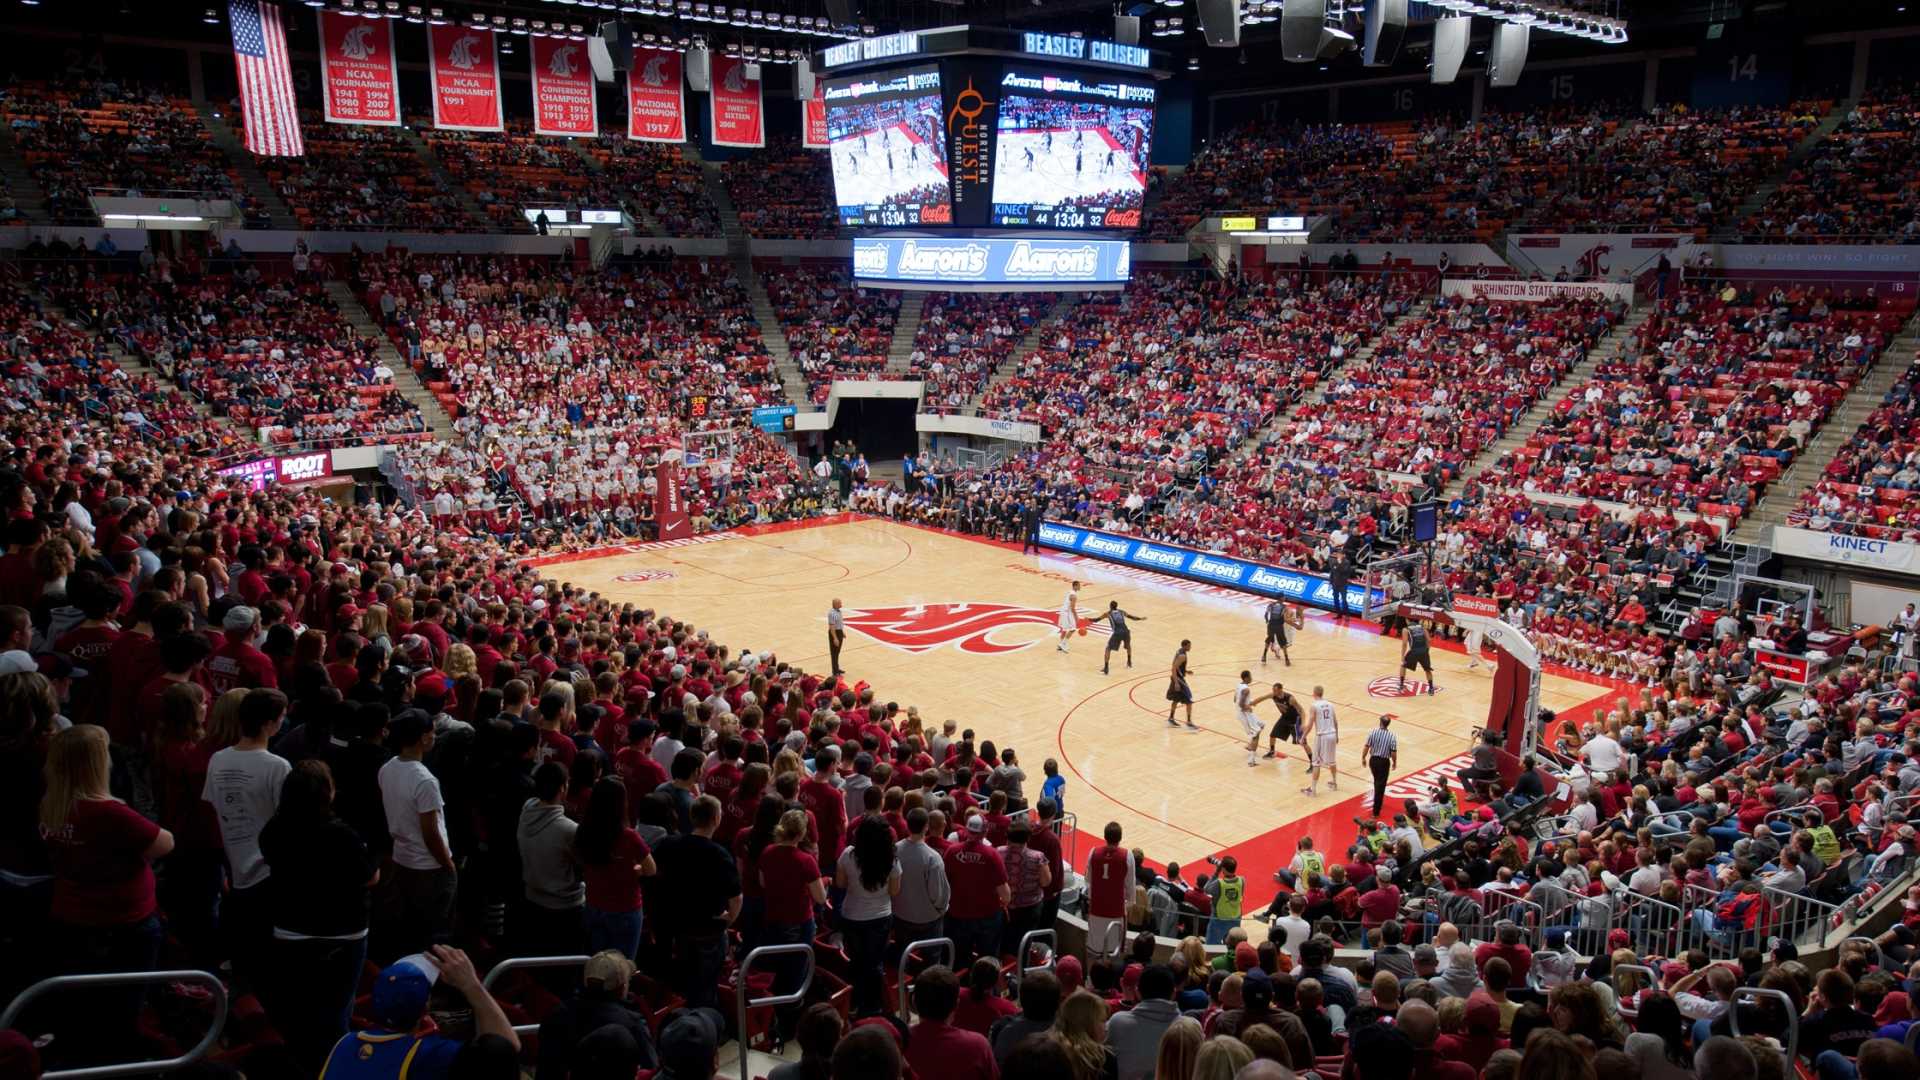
(656, 97)
(465, 72)
(562, 88)
(813, 119)
(737, 112)
(1202, 566)
(358, 79)
(1537, 292)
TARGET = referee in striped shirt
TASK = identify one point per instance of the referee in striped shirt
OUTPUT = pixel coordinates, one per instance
(1383, 756)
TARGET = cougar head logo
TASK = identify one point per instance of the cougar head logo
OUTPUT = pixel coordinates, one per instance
(563, 65)
(655, 73)
(736, 80)
(1592, 261)
(970, 627)
(358, 44)
(464, 54)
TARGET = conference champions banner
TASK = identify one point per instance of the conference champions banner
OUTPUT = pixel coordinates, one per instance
(359, 81)
(738, 116)
(1201, 566)
(813, 119)
(563, 88)
(656, 97)
(465, 70)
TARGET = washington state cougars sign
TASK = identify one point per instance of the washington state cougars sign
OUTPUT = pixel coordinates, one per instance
(982, 629)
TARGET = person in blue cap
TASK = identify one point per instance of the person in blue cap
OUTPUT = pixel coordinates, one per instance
(404, 1044)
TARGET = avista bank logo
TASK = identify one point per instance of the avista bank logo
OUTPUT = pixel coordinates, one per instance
(982, 629)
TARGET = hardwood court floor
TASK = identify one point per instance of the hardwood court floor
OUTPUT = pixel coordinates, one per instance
(963, 628)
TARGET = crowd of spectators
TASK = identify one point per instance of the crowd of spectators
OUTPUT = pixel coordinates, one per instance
(1858, 185)
(783, 192)
(138, 141)
(513, 171)
(358, 176)
(665, 187)
(963, 339)
(834, 328)
(1867, 486)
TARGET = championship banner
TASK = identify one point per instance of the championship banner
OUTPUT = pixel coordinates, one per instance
(359, 80)
(563, 88)
(669, 503)
(737, 118)
(813, 118)
(656, 97)
(466, 79)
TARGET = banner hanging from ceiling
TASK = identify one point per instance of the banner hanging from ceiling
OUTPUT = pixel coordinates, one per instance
(738, 116)
(359, 81)
(656, 97)
(465, 71)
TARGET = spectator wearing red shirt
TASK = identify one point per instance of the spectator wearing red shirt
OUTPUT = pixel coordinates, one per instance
(936, 1049)
(820, 795)
(982, 1004)
(1380, 903)
(613, 858)
(791, 890)
(89, 644)
(104, 913)
(1045, 841)
(980, 893)
(634, 763)
(236, 664)
(1508, 946)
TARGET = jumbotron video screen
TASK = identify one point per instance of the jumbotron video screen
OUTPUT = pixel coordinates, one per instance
(889, 150)
(1071, 153)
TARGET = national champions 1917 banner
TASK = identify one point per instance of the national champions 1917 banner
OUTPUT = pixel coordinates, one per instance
(738, 115)
(465, 70)
(359, 80)
(563, 88)
(656, 97)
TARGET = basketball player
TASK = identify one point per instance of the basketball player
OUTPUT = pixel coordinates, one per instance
(1117, 621)
(1243, 705)
(1069, 615)
(1178, 692)
(1029, 153)
(1473, 643)
(836, 634)
(1280, 616)
(1287, 726)
(1326, 741)
(1414, 653)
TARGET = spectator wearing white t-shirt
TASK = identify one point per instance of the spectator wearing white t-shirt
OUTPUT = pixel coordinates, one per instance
(243, 786)
(1603, 754)
(419, 900)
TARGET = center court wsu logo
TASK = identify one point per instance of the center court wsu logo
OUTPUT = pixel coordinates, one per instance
(1389, 687)
(646, 575)
(971, 627)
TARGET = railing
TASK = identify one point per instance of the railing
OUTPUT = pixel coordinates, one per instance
(128, 978)
(1653, 926)
(944, 945)
(743, 1003)
(1790, 1052)
(1021, 969)
(526, 963)
(1651, 976)
(1800, 919)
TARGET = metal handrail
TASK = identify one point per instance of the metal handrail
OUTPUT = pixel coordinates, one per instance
(742, 1003)
(944, 944)
(1021, 969)
(1659, 924)
(126, 978)
(522, 963)
(1620, 1003)
(1879, 956)
(1753, 993)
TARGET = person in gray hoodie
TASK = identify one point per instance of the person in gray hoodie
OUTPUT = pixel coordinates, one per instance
(1459, 978)
(553, 916)
(1135, 1034)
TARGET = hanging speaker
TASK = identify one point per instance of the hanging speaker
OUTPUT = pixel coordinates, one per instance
(1508, 55)
(1301, 22)
(1126, 29)
(1450, 47)
(1333, 42)
(803, 79)
(610, 50)
(700, 68)
(1220, 22)
(843, 12)
(1386, 25)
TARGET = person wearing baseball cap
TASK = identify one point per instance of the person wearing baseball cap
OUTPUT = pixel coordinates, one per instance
(399, 1044)
(236, 664)
(602, 1003)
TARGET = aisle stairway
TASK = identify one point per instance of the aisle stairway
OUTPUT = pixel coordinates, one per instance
(913, 310)
(1730, 233)
(21, 187)
(460, 194)
(227, 137)
(405, 379)
(1612, 345)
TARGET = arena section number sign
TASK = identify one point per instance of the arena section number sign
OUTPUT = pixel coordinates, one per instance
(1199, 566)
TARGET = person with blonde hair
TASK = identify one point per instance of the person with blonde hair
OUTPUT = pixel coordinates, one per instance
(1080, 1027)
(223, 723)
(461, 661)
(1179, 1050)
(1220, 1057)
(104, 914)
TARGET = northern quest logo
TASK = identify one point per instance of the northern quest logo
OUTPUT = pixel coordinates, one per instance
(968, 158)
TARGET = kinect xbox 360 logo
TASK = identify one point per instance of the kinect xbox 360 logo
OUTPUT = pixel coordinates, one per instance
(942, 260)
(1052, 263)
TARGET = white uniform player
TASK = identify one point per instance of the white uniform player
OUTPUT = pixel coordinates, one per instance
(1325, 732)
(1069, 615)
(1243, 703)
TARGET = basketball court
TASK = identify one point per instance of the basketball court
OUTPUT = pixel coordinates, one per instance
(936, 618)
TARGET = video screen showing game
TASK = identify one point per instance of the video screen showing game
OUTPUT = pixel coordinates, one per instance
(1071, 153)
(889, 151)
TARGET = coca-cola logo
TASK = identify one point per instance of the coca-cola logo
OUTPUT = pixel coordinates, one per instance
(982, 629)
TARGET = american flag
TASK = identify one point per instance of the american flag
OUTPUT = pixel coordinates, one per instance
(266, 79)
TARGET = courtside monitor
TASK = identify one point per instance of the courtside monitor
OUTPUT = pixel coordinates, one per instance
(1072, 151)
(889, 148)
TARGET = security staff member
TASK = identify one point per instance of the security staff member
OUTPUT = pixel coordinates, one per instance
(1383, 756)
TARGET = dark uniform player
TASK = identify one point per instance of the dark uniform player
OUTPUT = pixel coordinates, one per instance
(1414, 654)
(1029, 153)
(1281, 616)
(1178, 692)
(1117, 620)
(1286, 727)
